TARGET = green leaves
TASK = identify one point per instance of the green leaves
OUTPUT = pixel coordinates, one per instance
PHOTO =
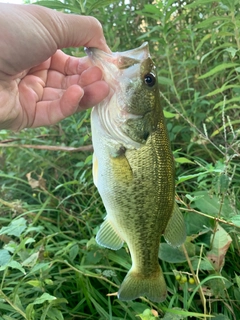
(220, 242)
(5, 257)
(169, 254)
(217, 69)
(50, 265)
(15, 228)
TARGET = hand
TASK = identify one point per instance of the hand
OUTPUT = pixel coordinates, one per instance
(39, 84)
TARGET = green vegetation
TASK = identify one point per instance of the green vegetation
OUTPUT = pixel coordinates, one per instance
(50, 211)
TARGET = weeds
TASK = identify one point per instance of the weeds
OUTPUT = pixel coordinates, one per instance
(50, 264)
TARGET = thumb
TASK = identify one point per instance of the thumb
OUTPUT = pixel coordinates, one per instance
(70, 30)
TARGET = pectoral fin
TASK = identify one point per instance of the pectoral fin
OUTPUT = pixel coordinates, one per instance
(108, 237)
(175, 232)
(121, 169)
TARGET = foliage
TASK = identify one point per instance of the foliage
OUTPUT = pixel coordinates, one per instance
(50, 264)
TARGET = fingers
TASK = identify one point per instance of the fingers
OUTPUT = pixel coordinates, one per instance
(88, 27)
(94, 94)
(50, 112)
(68, 65)
(72, 100)
(69, 30)
(58, 80)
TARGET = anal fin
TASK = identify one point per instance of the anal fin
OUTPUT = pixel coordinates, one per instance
(108, 237)
(175, 232)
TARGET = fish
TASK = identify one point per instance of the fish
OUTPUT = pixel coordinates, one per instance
(133, 169)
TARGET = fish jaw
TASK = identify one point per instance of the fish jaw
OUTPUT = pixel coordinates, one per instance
(122, 72)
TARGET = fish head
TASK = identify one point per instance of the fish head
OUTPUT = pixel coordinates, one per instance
(131, 111)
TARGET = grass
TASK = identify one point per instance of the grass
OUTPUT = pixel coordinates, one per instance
(50, 211)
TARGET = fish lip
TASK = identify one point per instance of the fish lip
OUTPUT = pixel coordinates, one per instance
(122, 60)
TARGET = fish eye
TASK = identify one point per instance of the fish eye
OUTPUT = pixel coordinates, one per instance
(150, 79)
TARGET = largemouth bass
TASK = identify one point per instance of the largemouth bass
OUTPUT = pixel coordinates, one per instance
(133, 169)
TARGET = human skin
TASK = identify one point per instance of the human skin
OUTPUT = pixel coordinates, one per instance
(39, 84)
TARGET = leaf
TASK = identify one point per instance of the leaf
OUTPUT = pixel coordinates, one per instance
(219, 286)
(100, 4)
(35, 283)
(31, 261)
(18, 302)
(169, 115)
(204, 264)
(210, 21)
(232, 51)
(14, 265)
(173, 316)
(237, 280)
(228, 124)
(55, 314)
(165, 81)
(221, 241)
(191, 199)
(196, 223)
(170, 254)
(230, 101)
(223, 88)
(15, 228)
(39, 267)
(8, 318)
(191, 176)
(183, 160)
(217, 69)
(5, 307)
(205, 38)
(197, 3)
(5, 257)
(93, 257)
(44, 297)
(212, 206)
(40, 183)
(148, 315)
(30, 311)
(150, 8)
(58, 5)
(73, 252)
(171, 313)
(236, 220)
(221, 317)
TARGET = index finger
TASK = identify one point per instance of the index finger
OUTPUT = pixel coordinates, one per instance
(68, 65)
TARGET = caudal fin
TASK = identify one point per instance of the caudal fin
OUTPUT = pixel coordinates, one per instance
(135, 285)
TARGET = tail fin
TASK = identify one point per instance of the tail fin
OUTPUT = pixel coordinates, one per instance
(135, 285)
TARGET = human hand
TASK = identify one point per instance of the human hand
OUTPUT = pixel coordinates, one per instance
(39, 84)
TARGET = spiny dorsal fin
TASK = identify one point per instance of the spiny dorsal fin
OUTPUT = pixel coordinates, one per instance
(175, 232)
(108, 237)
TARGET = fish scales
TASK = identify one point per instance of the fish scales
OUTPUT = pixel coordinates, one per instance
(133, 169)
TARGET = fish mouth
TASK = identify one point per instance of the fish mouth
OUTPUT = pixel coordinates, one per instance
(121, 60)
(121, 70)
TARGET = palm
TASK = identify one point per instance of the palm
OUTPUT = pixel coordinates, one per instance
(52, 91)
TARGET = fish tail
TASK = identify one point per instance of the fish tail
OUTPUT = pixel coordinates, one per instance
(135, 285)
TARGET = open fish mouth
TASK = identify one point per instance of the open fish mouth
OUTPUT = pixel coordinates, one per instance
(117, 67)
(122, 61)
(122, 72)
